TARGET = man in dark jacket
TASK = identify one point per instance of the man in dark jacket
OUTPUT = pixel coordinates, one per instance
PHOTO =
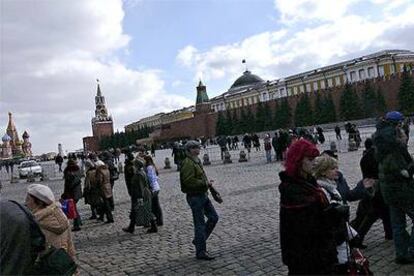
(396, 169)
(338, 132)
(194, 184)
(371, 209)
(59, 161)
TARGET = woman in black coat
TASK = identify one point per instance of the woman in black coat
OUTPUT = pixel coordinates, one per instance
(306, 233)
(73, 187)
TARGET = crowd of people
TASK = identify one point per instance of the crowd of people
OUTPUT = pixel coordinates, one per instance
(316, 234)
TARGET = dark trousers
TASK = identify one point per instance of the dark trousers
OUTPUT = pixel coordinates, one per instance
(105, 209)
(279, 155)
(403, 241)
(77, 221)
(367, 215)
(156, 207)
(201, 206)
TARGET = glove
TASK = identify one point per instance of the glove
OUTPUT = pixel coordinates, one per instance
(140, 202)
(405, 173)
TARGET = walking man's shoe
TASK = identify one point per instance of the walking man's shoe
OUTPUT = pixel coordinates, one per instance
(128, 230)
(404, 260)
(205, 256)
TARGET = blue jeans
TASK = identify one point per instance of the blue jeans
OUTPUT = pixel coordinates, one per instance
(201, 206)
(269, 156)
(404, 244)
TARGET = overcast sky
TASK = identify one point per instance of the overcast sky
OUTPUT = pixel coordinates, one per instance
(149, 55)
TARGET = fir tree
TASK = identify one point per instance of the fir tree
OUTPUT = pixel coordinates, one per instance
(267, 116)
(228, 123)
(406, 93)
(303, 112)
(330, 109)
(260, 117)
(381, 105)
(350, 106)
(250, 120)
(243, 121)
(221, 124)
(282, 114)
(236, 123)
(369, 100)
(320, 109)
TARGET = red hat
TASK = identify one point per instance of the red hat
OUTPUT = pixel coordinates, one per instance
(296, 152)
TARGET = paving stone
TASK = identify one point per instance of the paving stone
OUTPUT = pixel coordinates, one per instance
(245, 241)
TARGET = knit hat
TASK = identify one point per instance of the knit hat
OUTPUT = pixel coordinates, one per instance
(192, 144)
(394, 116)
(296, 153)
(41, 192)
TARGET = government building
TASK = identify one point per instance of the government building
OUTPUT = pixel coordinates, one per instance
(249, 89)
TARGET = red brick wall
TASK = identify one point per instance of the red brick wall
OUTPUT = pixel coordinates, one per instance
(101, 129)
(90, 143)
(204, 124)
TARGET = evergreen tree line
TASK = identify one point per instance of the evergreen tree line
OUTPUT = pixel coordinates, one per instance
(371, 103)
(124, 139)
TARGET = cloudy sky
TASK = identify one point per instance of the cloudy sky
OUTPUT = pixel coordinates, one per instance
(150, 54)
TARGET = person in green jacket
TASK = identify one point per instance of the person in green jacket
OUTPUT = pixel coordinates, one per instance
(195, 184)
(396, 169)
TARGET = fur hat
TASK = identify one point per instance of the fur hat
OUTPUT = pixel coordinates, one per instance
(41, 192)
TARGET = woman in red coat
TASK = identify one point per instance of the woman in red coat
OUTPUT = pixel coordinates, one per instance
(306, 236)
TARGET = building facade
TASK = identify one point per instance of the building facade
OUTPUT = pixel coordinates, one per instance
(102, 124)
(249, 89)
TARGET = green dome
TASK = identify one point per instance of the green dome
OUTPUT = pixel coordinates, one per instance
(247, 79)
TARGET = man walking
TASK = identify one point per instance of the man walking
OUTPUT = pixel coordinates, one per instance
(338, 132)
(396, 170)
(195, 184)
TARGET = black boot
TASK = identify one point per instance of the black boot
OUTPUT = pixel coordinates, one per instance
(130, 228)
(153, 228)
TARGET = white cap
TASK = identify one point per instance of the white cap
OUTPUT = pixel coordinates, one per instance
(99, 163)
(41, 192)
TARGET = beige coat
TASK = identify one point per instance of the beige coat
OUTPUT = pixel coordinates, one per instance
(103, 181)
(55, 227)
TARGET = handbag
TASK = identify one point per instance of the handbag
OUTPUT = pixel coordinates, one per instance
(357, 263)
(143, 214)
(215, 194)
(69, 208)
(54, 261)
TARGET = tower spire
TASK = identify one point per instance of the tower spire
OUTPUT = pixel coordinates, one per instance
(98, 93)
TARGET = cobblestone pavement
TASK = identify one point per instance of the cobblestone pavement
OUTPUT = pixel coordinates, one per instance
(245, 241)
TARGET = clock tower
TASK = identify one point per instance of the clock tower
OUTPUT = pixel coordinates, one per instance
(102, 123)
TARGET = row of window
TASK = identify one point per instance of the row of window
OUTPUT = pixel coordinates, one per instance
(351, 76)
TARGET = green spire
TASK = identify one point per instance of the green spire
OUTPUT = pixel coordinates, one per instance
(202, 96)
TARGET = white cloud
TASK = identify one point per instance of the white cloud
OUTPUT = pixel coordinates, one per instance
(335, 34)
(52, 52)
(323, 10)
